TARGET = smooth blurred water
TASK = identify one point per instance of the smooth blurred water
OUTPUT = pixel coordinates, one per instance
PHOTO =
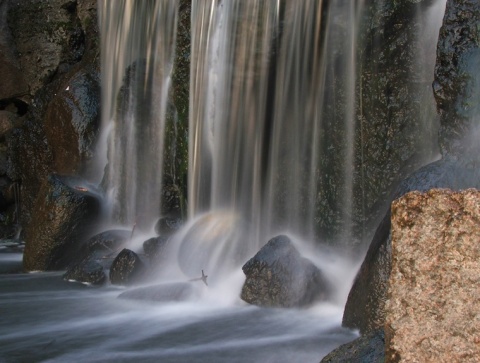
(45, 319)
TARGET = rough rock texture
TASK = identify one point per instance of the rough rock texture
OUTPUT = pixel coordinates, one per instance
(12, 77)
(433, 307)
(366, 349)
(396, 123)
(277, 276)
(89, 272)
(63, 217)
(364, 309)
(56, 44)
(176, 129)
(127, 268)
(74, 113)
(457, 81)
(458, 169)
(48, 38)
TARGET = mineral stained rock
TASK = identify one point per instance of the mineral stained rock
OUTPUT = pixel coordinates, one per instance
(433, 306)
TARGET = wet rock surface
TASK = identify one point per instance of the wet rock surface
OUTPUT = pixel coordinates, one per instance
(432, 312)
(127, 268)
(278, 276)
(457, 82)
(154, 248)
(63, 218)
(365, 349)
(89, 272)
(166, 226)
(458, 168)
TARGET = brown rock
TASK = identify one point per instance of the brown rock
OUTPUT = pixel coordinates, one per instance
(433, 310)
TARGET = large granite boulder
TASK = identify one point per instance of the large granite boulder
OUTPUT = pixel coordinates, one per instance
(432, 311)
(457, 80)
(64, 215)
(278, 276)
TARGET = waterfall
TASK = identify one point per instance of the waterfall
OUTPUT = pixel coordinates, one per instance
(276, 125)
(138, 46)
(260, 74)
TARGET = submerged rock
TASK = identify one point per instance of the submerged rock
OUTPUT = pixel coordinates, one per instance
(127, 268)
(154, 248)
(277, 276)
(179, 291)
(89, 272)
(166, 226)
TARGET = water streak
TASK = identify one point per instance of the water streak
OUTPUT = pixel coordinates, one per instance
(138, 46)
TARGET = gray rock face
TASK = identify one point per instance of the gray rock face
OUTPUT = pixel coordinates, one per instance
(457, 81)
(432, 312)
(277, 276)
(63, 217)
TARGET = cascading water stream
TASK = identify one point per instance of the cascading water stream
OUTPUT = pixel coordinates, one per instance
(138, 46)
(259, 110)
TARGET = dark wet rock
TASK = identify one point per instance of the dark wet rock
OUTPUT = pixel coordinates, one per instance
(48, 37)
(365, 307)
(7, 123)
(173, 199)
(456, 90)
(12, 77)
(179, 291)
(63, 216)
(108, 242)
(457, 81)
(277, 276)
(127, 268)
(103, 247)
(396, 123)
(154, 249)
(366, 349)
(166, 226)
(176, 128)
(89, 272)
(57, 47)
(72, 121)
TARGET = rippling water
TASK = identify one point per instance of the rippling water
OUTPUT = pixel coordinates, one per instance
(45, 319)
